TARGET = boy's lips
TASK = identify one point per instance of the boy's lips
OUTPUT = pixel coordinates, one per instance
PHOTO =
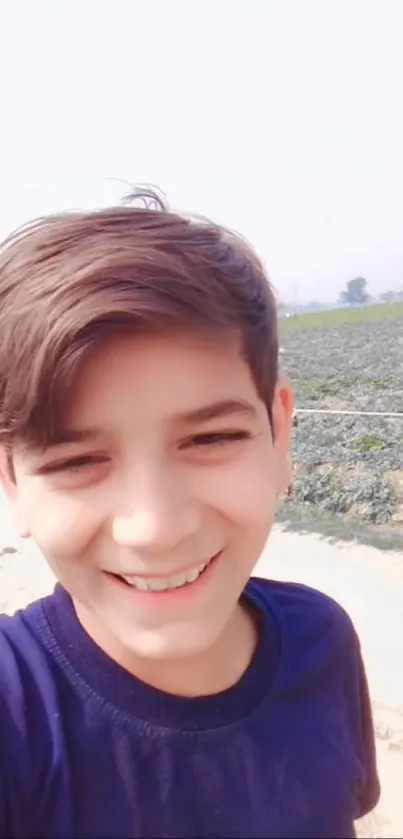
(151, 588)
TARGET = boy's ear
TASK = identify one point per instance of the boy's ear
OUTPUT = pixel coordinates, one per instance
(9, 485)
(283, 409)
(7, 481)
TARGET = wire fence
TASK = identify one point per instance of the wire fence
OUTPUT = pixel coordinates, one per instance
(394, 414)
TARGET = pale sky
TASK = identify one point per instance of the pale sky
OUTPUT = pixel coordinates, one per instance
(281, 119)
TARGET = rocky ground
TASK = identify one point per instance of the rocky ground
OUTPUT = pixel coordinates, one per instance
(348, 467)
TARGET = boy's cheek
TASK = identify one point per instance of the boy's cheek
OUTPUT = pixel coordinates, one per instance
(246, 510)
(248, 495)
(62, 528)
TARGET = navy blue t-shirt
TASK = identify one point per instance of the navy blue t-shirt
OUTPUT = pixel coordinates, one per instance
(87, 750)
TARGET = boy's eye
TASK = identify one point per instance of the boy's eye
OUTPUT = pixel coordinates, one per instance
(217, 438)
(210, 439)
(74, 464)
(80, 462)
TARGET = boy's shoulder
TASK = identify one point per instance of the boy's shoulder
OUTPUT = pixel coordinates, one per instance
(21, 650)
(316, 633)
(28, 691)
(299, 606)
(321, 658)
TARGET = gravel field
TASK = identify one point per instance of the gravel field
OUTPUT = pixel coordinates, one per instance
(347, 466)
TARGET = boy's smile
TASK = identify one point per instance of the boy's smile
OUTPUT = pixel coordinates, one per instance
(158, 584)
(159, 592)
(154, 514)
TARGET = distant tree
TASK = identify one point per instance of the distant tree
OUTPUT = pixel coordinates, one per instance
(355, 293)
(388, 296)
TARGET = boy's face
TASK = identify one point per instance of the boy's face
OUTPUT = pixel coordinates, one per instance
(171, 473)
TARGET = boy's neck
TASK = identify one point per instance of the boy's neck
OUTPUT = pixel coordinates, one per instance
(205, 674)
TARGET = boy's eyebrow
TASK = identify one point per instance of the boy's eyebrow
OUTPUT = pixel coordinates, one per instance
(75, 435)
(223, 408)
(215, 410)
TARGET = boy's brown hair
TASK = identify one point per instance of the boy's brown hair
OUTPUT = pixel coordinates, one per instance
(67, 282)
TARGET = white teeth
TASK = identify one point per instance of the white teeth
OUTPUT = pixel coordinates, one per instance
(192, 575)
(178, 581)
(163, 584)
(138, 582)
(156, 584)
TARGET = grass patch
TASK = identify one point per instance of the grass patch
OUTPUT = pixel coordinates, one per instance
(377, 384)
(334, 317)
(302, 518)
(369, 442)
(330, 388)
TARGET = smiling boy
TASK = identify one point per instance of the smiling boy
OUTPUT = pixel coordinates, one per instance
(161, 690)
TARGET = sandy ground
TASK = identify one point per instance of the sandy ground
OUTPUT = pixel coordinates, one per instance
(368, 583)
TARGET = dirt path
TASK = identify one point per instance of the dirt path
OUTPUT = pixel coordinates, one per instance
(368, 583)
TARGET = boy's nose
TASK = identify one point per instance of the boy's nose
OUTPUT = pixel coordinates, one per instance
(146, 530)
(156, 522)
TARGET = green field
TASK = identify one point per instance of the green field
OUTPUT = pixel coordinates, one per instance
(364, 314)
(348, 469)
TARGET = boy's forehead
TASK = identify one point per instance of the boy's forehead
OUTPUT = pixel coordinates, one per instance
(224, 344)
(147, 359)
(183, 376)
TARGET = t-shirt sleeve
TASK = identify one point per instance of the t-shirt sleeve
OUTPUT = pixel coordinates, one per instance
(3, 824)
(369, 791)
(3, 768)
(13, 745)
